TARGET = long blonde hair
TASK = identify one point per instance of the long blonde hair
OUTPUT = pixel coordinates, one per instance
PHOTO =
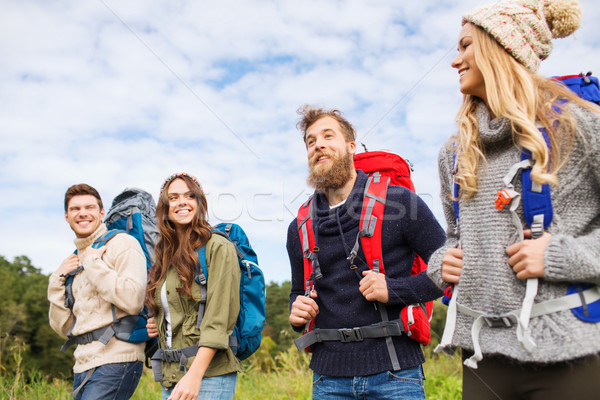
(523, 98)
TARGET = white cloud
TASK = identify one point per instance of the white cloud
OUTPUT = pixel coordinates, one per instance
(120, 94)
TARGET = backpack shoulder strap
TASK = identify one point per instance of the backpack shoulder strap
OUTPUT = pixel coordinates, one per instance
(106, 237)
(455, 187)
(369, 234)
(99, 242)
(103, 334)
(371, 218)
(537, 201)
(225, 231)
(201, 277)
(312, 269)
(201, 274)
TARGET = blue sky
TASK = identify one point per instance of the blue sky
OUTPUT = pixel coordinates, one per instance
(121, 94)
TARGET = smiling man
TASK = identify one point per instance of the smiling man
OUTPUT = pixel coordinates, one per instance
(113, 275)
(349, 298)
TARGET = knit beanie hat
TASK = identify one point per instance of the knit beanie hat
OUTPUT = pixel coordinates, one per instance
(525, 27)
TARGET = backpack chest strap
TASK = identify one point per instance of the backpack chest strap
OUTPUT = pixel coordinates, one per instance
(177, 355)
(511, 319)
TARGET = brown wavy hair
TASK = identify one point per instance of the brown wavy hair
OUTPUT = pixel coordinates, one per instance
(178, 250)
(310, 114)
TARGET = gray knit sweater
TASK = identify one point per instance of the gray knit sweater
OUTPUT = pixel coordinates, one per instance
(487, 282)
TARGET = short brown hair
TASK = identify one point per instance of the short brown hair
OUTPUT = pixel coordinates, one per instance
(80, 190)
(310, 114)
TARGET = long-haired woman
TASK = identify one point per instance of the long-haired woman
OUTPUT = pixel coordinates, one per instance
(500, 268)
(210, 370)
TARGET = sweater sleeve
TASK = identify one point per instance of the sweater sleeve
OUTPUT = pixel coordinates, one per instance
(60, 317)
(124, 283)
(575, 256)
(294, 249)
(434, 267)
(424, 235)
(222, 294)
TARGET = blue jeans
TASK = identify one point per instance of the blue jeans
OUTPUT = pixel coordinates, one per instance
(406, 384)
(214, 388)
(110, 381)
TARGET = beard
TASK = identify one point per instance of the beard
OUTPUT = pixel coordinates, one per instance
(330, 177)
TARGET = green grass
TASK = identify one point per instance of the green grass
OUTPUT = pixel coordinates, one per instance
(282, 376)
(443, 375)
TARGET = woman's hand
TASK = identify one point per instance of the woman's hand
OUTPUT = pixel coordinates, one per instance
(189, 386)
(452, 264)
(527, 256)
(151, 327)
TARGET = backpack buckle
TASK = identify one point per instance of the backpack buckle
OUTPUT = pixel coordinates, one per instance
(500, 321)
(504, 197)
(86, 338)
(350, 335)
(171, 355)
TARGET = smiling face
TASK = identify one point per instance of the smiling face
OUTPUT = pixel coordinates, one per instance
(84, 215)
(183, 204)
(471, 79)
(330, 156)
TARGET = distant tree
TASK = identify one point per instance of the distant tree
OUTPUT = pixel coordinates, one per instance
(277, 306)
(24, 316)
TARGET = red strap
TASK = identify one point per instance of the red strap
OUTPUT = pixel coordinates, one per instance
(372, 244)
(304, 219)
(560, 78)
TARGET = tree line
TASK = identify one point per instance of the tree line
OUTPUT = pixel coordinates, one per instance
(26, 334)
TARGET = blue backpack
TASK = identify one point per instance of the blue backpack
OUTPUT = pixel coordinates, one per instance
(247, 333)
(537, 204)
(585, 86)
(133, 212)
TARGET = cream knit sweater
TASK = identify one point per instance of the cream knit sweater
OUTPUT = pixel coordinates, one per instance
(118, 278)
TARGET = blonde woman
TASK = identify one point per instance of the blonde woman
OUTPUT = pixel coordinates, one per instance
(499, 272)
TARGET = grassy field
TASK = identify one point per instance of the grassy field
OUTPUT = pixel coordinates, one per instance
(284, 376)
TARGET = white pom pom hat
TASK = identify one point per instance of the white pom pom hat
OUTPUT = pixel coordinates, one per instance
(525, 27)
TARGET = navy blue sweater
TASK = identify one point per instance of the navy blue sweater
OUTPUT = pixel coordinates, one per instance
(409, 227)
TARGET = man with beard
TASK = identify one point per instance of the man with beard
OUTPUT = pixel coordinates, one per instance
(353, 296)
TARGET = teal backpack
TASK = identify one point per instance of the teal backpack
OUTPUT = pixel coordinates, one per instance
(247, 334)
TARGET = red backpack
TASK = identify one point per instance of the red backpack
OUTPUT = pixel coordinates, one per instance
(384, 168)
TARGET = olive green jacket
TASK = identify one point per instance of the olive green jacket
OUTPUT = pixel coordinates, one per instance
(220, 314)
